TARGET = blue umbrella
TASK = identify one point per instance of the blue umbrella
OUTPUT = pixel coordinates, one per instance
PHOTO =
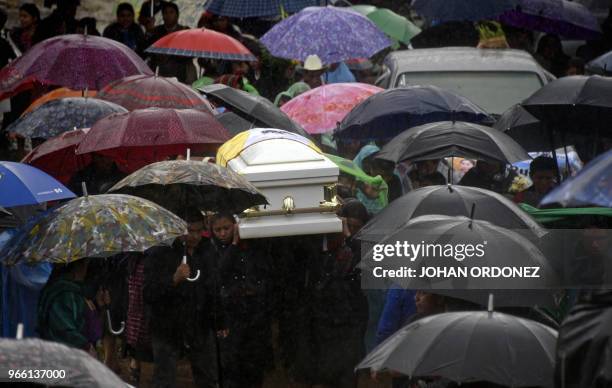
(333, 34)
(569, 19)
(601, 65)
(256, 8)
(462, 10)
(384, 115)
(591, 186)
(58, 116)
(21, 184)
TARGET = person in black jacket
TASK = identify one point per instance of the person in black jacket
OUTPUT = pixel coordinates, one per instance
(126, 30)
(245, 288)
(182, 313)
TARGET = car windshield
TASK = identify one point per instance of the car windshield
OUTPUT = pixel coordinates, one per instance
(494, 91)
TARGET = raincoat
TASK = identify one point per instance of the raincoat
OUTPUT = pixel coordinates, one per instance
(374, 205)
(294, 90)
(341, 74)
(62, 311)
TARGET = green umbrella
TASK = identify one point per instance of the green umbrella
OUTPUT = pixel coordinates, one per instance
(395, 26)
(551, 215)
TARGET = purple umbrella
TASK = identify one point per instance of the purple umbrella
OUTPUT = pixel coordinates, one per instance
(334, 34)
(74, 61)
(568, 19)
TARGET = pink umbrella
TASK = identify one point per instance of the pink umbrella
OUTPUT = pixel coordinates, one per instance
(320, 110)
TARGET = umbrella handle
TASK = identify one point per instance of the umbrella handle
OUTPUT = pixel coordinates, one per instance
(110, 324)
(193, 279)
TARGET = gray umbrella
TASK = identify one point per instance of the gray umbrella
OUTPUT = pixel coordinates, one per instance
(452, 138)
(252, 108)
(469, 347)
(62, 365)
(451, 200)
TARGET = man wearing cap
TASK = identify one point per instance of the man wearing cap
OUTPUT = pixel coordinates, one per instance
(312, 70)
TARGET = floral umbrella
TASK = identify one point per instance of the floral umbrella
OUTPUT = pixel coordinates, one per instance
(94, 226)
(321, 109)
(207, 186)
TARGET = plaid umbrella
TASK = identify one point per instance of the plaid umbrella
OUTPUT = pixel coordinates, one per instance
(207, 186)
(146, 91)
(58, 116)
(75, 61)
(334, 34)
(94, 226)
(256, 8)
(36, 355)
(202, 43)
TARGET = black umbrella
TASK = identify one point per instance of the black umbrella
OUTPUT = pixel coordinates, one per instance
(386, 114)
(52, 364)
(528, 131)
(584, 350)
(449, 34)
(181, 184)
(450, 201)
(252, 108)
(470, 347)
(452, 138)
(234, 123)
(438, 237)
(574, 104)
(4, 212)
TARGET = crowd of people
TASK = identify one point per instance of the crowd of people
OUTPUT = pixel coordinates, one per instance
(294, 303)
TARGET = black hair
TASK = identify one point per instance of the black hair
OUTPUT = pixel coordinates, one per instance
(125, 7)
(435, 178)
(192, 214)
(542, 163)
(3, 18)
(31, 9)
(171, 5)
(353, 208)
(220, 216)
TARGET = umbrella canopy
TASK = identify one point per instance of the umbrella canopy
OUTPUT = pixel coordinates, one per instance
(451, 201)
(584, 342)
(471, 346)
(74, 61)
(529, 132)
(234, 147)
(452, 138)
(57, 157)
(569, 19)
(143, 136)
(461, 10)
(256, 109)
(58, 93)
(21, 184)
(503, 248)
(395, 26)
(334, 34)
(574, 104)
(81, 370)
(386, 114)
(256, 8)
(448, 34)
(207, 186)
(202, 43)
(94, 226)
(145, 91)
(58, 116)
(601, 65)
(545, 216)
(321, 109)
(592, 186)
(234, 123)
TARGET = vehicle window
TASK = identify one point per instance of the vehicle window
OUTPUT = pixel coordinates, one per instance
(495, 92)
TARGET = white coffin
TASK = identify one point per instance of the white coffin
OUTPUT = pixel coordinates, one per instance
(283, 169)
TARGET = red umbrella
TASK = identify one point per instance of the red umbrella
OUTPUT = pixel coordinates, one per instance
(146, 91)
(57, 157)
(202, 43)
(144, 136)
(74, 61)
